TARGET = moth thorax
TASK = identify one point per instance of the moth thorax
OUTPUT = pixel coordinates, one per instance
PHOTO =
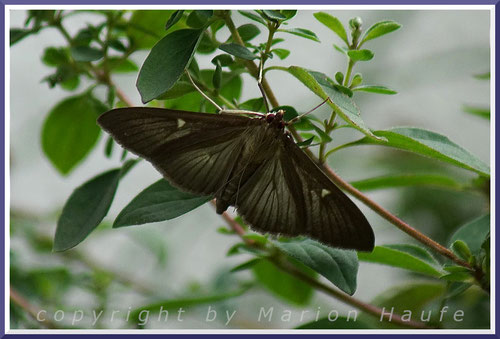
(280, 114)
(276, 119)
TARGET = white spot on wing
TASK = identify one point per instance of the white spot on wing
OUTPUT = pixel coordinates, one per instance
(180, 123)
(324, 192)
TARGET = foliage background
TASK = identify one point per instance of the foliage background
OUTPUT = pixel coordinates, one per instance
(430, 62)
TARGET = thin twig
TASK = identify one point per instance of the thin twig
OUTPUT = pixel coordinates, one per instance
(368, 308)
(29, 308)
(251, 66)
(393, 219)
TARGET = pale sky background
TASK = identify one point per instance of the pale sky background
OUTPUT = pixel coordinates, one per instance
(430, 61)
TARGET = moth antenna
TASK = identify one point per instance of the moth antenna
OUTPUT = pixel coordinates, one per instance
(315, 108)
(259, 83)
(203, 94)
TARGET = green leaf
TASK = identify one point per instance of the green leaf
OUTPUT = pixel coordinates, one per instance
(302, 32)
(173, 305)
(342, 50)
(457, 276)
(86, 53)
(341, 322)
(17, 34)
(324, 87)
(379, 29)
(117, 45)
(174, 18)
(405, 180)
(70, 131)
(456, 288)
(403, 299)
(54, 57)
(398, 257)
(238, 51)
(207, 45)
(375, 89)
(338, 266)
(455, 268)
(415, 251)
(345, 90)
(248, 32)
(217, 77)
(461, 249)
(246, 265)
(158, 202)
(199, 18)
(479, 111)
(84, 36)
(428, 144)
(253, 17)
(323, 136)
(306, 142)
(281, 53)
(223, 59)
(108, 149)
(255, 104)
(356, 80)
(166, 63)
(473, 233)
(85, 209)
(119, 65)
(483, 76)
(333, 23)
(360, 55)
(231, 84)
(274, 15)
(282, 284)
(276, 41)
(180, 89)
(145, 28)
(339, 77)
(288, 13)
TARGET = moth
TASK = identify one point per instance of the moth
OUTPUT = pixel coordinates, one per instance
(251, 163)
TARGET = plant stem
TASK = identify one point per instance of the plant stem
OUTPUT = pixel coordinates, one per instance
(251, 66)
(32, 310)
(368, 308)
(393, 219)
(348, 73)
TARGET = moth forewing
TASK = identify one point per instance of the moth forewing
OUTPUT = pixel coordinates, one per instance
(247, 162)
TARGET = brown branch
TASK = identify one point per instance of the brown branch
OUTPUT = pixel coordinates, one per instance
(32, 310)
(251, 66)
(120, 94)
(393, 219)
(368, 308)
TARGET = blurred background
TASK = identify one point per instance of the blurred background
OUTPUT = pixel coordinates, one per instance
(431, 61)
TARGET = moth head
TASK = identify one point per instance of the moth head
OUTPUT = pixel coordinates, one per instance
(276, 119)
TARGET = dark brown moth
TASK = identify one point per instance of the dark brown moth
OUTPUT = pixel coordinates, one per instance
(251, 163)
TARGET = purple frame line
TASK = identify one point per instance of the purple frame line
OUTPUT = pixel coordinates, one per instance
(250, 2)
(214, 2)
(2, 174)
